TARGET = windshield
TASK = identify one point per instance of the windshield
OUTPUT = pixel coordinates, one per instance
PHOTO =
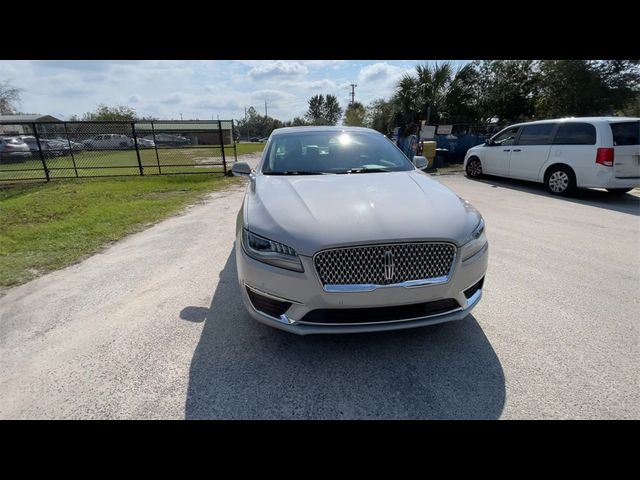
(332, 152)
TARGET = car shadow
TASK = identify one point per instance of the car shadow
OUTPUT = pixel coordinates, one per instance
(242, 369)
(626, 203)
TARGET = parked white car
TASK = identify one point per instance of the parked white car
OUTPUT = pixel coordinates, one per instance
(564, 154)
(145, 143)
(109, 140)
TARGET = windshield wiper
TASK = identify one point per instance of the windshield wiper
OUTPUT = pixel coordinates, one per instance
(297, 172)
(367, 170)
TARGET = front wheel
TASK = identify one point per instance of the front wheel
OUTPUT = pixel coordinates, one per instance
(474, 168)
(561, 181)
(618, 191)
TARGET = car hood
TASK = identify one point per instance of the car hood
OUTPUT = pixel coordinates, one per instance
(311, 213)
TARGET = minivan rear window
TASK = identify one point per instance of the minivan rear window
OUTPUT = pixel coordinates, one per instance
(626, 133)
(575, 134)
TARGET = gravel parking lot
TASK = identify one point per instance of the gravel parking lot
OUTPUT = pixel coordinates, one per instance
(153, 327)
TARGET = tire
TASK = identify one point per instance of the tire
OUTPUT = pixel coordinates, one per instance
(618, 191)
(474, 168)
(560, 181)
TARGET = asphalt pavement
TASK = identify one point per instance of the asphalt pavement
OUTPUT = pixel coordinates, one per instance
(153, 327)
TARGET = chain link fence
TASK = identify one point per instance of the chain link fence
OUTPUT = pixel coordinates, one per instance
(45, 151)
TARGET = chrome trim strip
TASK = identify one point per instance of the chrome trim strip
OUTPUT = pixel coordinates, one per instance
(282, 318)
(270, 295)
(370, 286)
(471, 301)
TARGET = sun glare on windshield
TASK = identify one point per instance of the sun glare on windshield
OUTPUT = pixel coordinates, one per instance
(345, 139)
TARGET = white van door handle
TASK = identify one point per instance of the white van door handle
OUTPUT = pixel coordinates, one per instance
(517, 150)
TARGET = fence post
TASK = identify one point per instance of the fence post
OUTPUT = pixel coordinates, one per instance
(224, 160)
(155, 146)
(135, 142)
(44, 163)
(75, 169)
(233, 139)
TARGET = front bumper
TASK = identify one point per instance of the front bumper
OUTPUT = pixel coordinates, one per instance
(305, 293)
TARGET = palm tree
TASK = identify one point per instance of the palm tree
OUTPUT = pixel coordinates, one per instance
(405, 98)
(433, 86)
(436, 93)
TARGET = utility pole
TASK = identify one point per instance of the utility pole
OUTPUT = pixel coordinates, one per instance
(265, 109)
(181, 117)
(245, 123)
(353, 92)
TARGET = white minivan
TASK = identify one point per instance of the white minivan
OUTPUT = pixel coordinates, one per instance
(564, 154)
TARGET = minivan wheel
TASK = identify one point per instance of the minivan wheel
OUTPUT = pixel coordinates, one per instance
(560, 181)
(474, 168)
(618, 191)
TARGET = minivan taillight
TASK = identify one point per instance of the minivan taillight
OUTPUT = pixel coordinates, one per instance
(605, 157)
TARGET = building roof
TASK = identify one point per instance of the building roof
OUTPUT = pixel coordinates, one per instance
(28, 118)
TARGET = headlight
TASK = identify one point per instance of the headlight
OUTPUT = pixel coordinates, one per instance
(268, 251)
(474, 242)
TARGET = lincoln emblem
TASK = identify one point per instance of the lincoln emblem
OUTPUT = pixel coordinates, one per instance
(389, 266)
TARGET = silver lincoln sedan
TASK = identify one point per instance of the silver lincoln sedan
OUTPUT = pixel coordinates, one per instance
(339, 233)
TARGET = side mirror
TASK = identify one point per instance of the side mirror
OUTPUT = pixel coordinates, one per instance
(420, 162)
(241, 169)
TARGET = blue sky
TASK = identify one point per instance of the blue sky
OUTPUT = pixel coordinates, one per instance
(198, 88)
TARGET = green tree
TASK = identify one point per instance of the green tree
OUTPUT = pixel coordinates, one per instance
(110, 114)
(323, 110)
(432, 89)
(507, 89)
(586, 87)
(332, 109)
(315, 113)
(437, 93)
(406, 100)
(354, 115)
(256, 125)
(9, 98)
(380, 115)
(632, 108)
(461, 104)
(296, 122)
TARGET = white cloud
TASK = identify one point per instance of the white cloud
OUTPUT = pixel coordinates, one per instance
(323, 63)
(380, 72)
(313, 85)
(278, 69)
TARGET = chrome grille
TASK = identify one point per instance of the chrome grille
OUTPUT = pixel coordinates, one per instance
(384, 264)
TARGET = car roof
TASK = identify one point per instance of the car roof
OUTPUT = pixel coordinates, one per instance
(579, 119)
(323, 128)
